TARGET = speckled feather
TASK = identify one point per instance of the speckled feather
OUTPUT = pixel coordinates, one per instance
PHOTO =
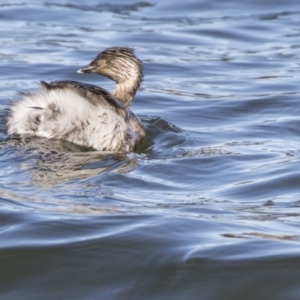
(81, 113)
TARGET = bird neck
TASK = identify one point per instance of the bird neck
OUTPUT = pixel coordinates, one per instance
(126, 90)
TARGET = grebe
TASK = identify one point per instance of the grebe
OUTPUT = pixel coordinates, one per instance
(82, 113)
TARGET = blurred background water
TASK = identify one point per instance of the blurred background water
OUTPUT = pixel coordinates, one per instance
(209, 209)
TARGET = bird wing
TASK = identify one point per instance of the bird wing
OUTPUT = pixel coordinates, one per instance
(91, 93)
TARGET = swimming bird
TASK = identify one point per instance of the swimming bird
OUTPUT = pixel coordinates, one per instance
(82, 113)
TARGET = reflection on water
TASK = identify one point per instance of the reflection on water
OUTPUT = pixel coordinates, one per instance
(60, 161)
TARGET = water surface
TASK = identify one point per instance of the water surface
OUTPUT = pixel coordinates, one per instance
(209, 209)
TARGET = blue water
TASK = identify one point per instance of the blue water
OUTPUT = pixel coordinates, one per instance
(209, 209)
